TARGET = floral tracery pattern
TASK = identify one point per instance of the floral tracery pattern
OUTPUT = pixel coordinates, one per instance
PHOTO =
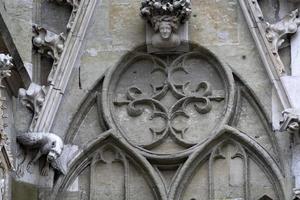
(199, 97)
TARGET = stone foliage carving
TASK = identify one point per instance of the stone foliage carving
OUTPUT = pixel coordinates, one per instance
(291, 120)
(276, 33)
(47, 144)
(33, 98)
(288, 25)
(165, 18)
(75, 6)
(50, 44)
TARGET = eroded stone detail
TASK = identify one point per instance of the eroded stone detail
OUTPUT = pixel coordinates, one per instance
(275, 33)
(165, 17)
(33, 98)
(47, 144)
(291, 120)
(5, 65)
(50, 44)
(75, 6)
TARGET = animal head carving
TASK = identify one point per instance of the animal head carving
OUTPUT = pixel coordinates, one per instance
(56, 148)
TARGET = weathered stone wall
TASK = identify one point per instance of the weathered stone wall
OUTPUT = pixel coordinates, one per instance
(117, 29)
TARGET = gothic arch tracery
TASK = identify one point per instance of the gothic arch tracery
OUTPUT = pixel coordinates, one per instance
(154, 103)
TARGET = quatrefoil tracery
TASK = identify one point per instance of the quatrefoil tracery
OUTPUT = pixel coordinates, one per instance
(200, 98)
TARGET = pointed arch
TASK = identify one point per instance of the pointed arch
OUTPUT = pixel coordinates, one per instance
(254, 150)
(109, 140)
(90, 100)
(246, 93)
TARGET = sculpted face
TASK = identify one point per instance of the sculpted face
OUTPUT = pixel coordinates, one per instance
(165, 30)
(55, 151)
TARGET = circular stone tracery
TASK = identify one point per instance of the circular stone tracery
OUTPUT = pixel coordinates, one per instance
(166, 105)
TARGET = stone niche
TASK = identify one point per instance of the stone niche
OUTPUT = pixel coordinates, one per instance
(178, 127)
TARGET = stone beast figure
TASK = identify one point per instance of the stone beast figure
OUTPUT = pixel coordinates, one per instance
(47, 144)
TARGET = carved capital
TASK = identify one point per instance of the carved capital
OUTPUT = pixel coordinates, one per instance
(33, 98)
(165, 17)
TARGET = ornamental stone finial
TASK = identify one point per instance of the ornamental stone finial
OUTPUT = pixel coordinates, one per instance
(165, 17)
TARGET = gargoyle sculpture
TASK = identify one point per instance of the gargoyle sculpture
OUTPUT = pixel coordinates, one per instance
(47, 144)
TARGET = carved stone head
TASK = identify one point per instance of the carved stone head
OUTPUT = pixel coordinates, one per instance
(165, 26)
(165, 17)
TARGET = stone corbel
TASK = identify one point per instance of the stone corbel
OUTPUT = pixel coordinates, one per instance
(291, 124)
(50, 44)
(166, 18)
(276, 33)
(33, 98)
(75, 5)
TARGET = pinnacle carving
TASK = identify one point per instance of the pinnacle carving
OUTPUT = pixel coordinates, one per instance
(165, 17)
(49, 44)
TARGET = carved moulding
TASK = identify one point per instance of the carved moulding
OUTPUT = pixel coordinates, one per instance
(245, 155)
(94, 153)
(65, 65)
(182, 101)
(50, 44)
